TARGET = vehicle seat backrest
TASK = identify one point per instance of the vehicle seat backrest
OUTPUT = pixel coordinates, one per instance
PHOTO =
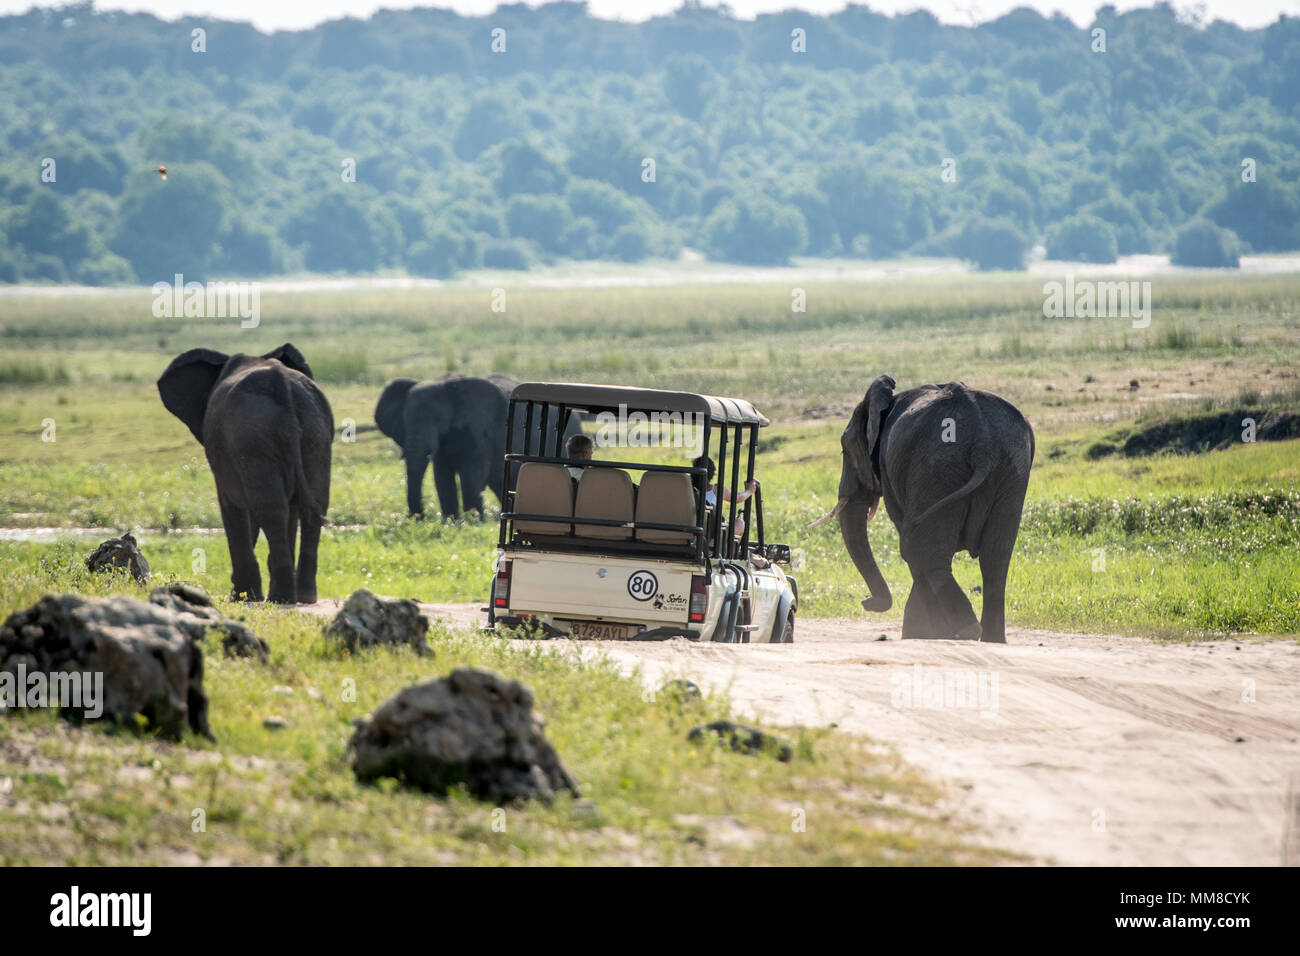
(605, 493)
(665, 497)
(544, 489)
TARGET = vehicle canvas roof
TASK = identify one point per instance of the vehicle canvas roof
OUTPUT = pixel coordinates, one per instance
(598, 398)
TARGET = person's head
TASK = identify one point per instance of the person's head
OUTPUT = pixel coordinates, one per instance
(704, 461)
(579, 447)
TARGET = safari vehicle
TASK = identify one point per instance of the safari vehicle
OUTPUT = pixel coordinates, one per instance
(601, 556)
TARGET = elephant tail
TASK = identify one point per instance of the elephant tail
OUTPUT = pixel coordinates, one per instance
(982, 471)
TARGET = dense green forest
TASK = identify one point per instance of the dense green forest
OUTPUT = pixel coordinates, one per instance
(536, 135)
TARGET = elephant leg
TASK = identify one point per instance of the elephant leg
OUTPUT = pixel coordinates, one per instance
(494, 473)
(918, 618)
(311, 525)
(472, 479)
(995, 559)
(444, 481)
(415, 467)
(952, 613)
(277, 524)
(241, 538)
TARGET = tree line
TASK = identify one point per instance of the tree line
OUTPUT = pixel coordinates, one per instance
(426, 142)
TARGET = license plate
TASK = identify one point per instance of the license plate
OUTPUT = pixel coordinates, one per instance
(596, 631)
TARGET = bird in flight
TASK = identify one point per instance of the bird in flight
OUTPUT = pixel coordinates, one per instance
(162, 171)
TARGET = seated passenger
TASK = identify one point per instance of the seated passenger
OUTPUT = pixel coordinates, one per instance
(711, 493)
(579, 447)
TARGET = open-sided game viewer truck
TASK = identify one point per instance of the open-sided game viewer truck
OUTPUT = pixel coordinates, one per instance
(587, 550)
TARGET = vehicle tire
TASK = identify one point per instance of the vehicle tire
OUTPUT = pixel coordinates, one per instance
(787, 631)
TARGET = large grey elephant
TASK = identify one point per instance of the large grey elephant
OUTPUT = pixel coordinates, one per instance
(459, 424)
(952, 464)
(266, 429)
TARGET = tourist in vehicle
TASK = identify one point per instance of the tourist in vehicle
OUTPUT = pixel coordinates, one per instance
(580, 448)
(711, 491)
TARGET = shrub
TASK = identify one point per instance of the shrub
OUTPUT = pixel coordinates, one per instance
(991, 244)
(504, 254)
(1083, 238)
(1202, 243)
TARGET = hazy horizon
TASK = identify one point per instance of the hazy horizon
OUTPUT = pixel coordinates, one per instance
(298, 15)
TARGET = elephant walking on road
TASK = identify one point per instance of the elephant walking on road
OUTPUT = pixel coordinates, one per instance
(266, 429)
(952, 464)
(459, 424)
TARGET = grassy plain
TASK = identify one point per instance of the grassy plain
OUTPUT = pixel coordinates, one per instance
(1180, 547)
(1192, 546)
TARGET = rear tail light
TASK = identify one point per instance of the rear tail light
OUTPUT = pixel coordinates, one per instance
(699, 598)
(501, 593)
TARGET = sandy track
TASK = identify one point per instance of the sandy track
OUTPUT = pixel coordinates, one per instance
(1086, 749)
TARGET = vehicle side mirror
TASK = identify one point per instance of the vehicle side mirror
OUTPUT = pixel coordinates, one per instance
(778, 553)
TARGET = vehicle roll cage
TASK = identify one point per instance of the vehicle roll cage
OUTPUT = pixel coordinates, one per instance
(546, 405)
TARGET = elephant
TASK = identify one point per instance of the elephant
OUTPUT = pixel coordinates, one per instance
(458, 423)
(952, 464)
(266, 429)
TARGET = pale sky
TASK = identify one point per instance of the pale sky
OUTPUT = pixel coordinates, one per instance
(268, 15)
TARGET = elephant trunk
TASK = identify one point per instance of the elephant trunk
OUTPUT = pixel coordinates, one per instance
(854, 515)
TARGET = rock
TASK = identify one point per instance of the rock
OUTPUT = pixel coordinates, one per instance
(238, 640)
(315, 694)
(275, 722)
(149, 657)
(282, 690)
(366, 621)
(686, 690)
(472, 727)
(121, 553)
(882, 637)
(742, 739)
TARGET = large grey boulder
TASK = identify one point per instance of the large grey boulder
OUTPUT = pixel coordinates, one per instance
(472, 727)
(366, 620)
(149, 657)
(122, 553)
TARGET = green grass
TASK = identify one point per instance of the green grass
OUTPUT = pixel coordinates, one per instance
(288, 796)
(1179, 547)
(120, 461)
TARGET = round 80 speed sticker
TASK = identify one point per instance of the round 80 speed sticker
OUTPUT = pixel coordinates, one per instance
(642, 585)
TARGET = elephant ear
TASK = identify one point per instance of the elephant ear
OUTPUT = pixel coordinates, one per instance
(187, 383)
(863, 432)
(879, 397)
(288, 354)
(390, 413)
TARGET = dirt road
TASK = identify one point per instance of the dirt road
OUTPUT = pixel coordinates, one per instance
(1075, 749)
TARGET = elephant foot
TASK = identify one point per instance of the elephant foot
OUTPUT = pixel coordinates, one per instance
(306, 597)
(878, 603)
(971, 632)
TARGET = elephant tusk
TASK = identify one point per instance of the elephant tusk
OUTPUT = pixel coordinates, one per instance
(872, 513)
(830, 514)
